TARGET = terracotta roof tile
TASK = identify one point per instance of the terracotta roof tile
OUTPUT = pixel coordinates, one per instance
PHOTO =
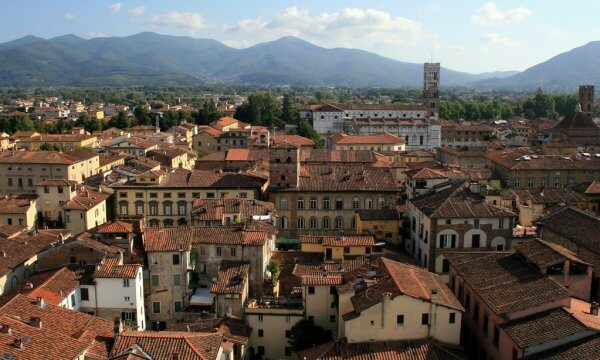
(339, 241)
(214, 209)
(115, 227)
(381, 138)
(16, 204)
(231, 277)
(112, 268)
(163, 344)
(545, 254)
(575, 224)
(505, 281)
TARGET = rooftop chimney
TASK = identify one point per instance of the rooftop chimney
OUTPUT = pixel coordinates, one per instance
(594, 308)
(36, 321)
(175, 356)
(40, 301)
(118, 328)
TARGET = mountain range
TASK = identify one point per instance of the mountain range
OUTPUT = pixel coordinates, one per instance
(153, 59)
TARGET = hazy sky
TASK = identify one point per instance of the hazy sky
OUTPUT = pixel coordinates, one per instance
(464, 35)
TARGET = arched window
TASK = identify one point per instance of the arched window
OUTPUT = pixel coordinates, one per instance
(300, 203)
(369, 204)
(167, 208)
(27, 273)
(182, 207)
(283, 222)
(326, 223)
(381, 203)
(139, 208)
(153, 223)
(168, 223)
(153, 205)
(313, 223)
(326, 202)
(339, 222)
(300, 224)
(283, 204)
(355, 203)
(123, 207)
(313, 203)
(181, 222)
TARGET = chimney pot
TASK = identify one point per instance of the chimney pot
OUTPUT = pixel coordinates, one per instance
(5, 329)
(175, 356)
(40, 301)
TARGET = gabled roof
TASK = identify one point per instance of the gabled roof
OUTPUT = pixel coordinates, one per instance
(53, 285)
(457, 202)
(425, 349)
(381, 138)
(163, 344)
(111, 268)
(339, 241)
(545, 254)
(505, 281)
(575, 224)
(16, 204)
(425, 174)
(115, 227)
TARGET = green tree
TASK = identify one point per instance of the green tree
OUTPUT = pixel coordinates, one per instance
(120, 121)
(305, 334)
(304, 129)
(142, 115)
(287, 111)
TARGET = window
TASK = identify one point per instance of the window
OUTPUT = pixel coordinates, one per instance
(339, 203)
(260, 318)
(125, 282)
(369, 204)
(475, 240)
(476, 312)
(167, 195)
(424, 319)
(496, 337)
(484, 323)
(313, 203)
(326, 203)
(400, 320)
(312, 223)
(261, 350)
(60, 190)
(283, 204)
(300, 203)
(261, 333)
(46, 189)
(168, 208)
(346, 250)
(84, 294)
(447, 241)
(452, 318)
(311, 290)
(530, 183)
(176, 259)
(445, 266)
(154, 260)
(182, 207)
(288, 319)
(353, 223)
(153, 207)
(154, 280)
(300, 224)
(218, 251)
(339, 222)
(139, 208)
(501, 223)
(154, 195)
(355, 203)
(476, 223)
(326, 223)
(177, 279)
(232, 252)
(156, 307)
(178, 305)
(288, 351)
(126, 299)
(123, 207)
(331, 318)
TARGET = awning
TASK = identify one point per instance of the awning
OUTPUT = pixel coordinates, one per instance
(283, 240)
(202, 297)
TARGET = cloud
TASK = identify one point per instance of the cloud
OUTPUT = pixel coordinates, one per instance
(484, 50)
(136, 11)
(189, 21)
(348, 27)
(69, 17)
(115, 8)
(489, 15)
(555, 34)
(499, 39)
(237, 44)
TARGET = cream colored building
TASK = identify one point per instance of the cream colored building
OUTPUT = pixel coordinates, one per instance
(19, 210)
(336, 248)
(396, 301)
(204, 142)
(64, 204)
(270, 329)
(23, 169)
(66, 141)
(166, 199)
(384, 142)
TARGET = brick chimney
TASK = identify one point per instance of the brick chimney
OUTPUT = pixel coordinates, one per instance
(36, 321)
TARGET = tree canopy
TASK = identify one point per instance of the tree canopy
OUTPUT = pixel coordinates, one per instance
(305, 334)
